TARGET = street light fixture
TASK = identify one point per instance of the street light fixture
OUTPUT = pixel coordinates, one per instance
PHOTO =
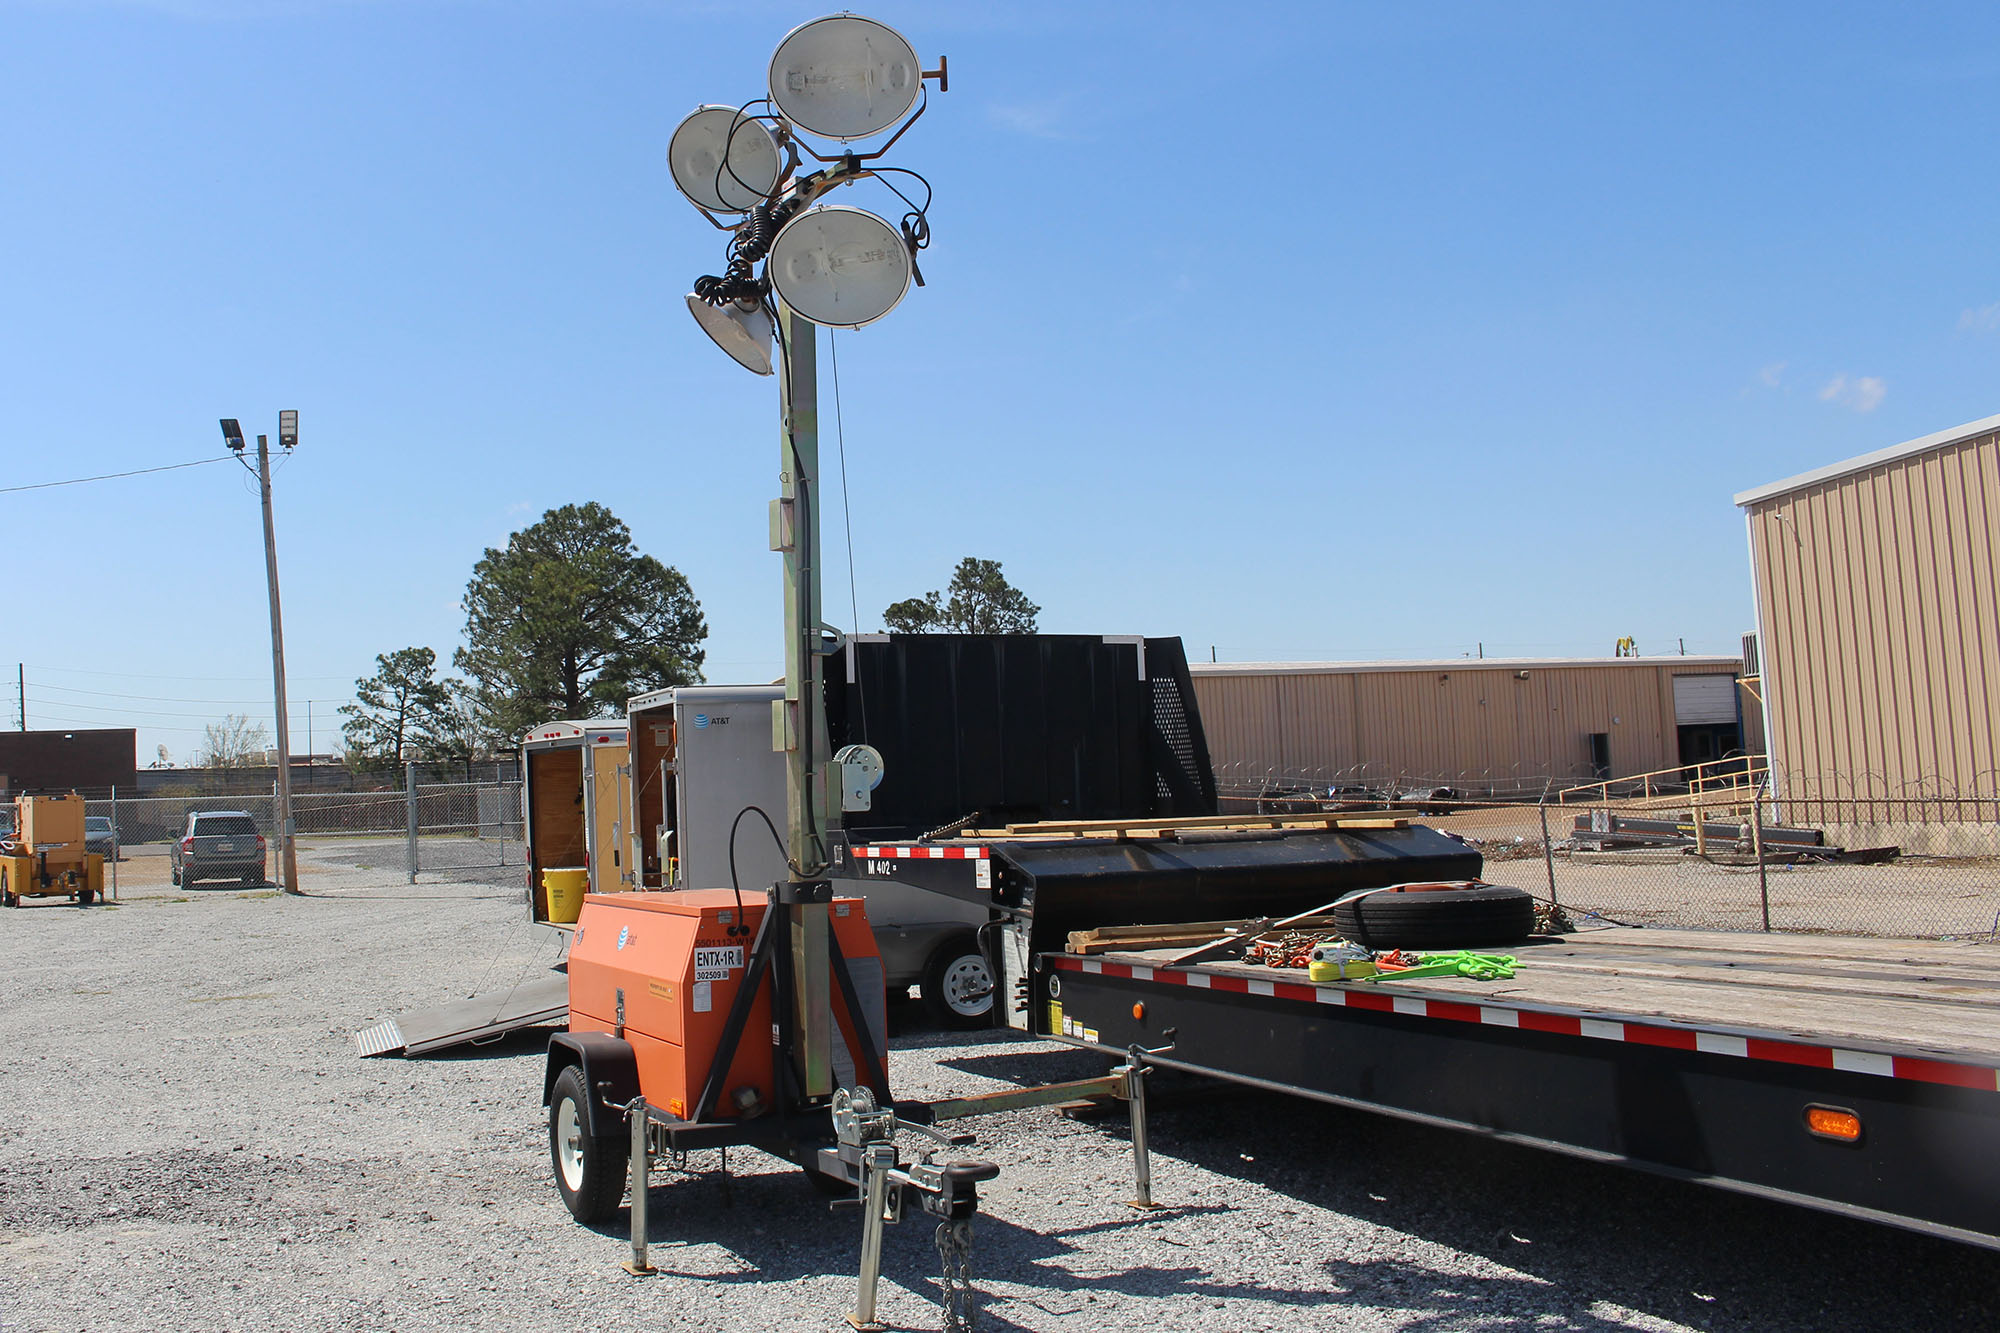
(743, 331)
(845, 77)
(724, 161)
(288, 438)
(840, 267)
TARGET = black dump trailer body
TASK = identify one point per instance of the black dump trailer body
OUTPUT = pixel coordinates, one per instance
(992, 729)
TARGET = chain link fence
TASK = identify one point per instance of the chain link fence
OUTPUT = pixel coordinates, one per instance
(1921, 862)
(452, 827)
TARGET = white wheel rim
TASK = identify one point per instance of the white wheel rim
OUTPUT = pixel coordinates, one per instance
(968, 986)
(569, 1145)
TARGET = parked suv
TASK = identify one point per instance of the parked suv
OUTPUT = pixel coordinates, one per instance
(99, 836)
(219, 844)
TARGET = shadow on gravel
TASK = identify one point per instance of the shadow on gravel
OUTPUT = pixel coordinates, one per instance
(778, 1229)
(1584, 1232)
(507, 1046)
(419, 897)
(768, 1229)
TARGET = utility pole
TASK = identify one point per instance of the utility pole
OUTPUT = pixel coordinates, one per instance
(287, 852)
(288, 438)
(21, 675)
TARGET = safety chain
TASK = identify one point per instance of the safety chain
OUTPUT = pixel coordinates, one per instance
(954, 1242)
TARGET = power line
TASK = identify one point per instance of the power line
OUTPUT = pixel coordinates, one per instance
(154, 675)
(111, 476)
(149, 698)
(146, 712)
(97, 724)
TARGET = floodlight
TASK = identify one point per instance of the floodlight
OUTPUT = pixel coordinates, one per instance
(839, 266)
(743, 331)
(845, 77)
(695, 154)
(288, 429)
(232, 434)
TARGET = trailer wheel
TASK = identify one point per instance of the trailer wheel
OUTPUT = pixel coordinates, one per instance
(958, 986)
(1438, 918)
(590, 1171)
(83, 897)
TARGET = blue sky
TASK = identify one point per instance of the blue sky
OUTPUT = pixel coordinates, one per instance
(1304, 332)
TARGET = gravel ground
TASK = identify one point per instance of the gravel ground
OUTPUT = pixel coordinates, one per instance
(191, 1143)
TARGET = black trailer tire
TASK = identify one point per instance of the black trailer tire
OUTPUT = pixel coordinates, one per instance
(590, 1171)
(83, 897)
(958, 985)
(8, 898)
(1491, 914)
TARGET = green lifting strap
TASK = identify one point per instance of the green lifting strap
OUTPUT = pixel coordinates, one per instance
(1478, 966)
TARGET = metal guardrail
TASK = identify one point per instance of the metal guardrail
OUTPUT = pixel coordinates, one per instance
(1916, 861)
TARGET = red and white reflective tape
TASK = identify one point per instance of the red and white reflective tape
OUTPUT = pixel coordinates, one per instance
(905, 851)
(1670, 1036)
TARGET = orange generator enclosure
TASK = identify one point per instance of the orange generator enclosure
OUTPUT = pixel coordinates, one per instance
(679, 968)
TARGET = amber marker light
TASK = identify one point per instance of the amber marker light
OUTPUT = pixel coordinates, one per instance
(1139, 1012)
(1833, 1122)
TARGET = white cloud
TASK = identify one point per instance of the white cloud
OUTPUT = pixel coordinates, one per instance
(1980, 319)
(1863, 393)
(1772, 376)
(1046, 119)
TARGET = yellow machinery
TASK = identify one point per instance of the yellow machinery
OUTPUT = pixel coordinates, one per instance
(45, 857)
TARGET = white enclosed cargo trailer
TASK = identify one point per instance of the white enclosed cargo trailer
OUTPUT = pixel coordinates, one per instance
(702, 766)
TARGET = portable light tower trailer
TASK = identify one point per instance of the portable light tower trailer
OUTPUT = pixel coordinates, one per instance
(46, 857)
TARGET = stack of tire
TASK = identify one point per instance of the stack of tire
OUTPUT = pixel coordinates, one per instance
(1456, 914)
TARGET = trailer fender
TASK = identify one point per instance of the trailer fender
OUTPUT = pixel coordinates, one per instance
(610, 1068)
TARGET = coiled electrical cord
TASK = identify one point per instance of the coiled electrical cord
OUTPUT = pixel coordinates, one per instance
(752, 242)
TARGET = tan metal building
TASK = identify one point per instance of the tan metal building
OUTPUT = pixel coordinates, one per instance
(1480, 724)
(1878, 615)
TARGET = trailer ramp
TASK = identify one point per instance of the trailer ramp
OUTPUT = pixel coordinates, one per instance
(479, 1019)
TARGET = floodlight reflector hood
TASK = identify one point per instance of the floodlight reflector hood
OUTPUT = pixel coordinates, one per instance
(838, 266)
(695, 155)
(742, 331)
(845, 77)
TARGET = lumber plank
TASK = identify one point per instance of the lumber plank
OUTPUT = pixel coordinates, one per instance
(1330, 820)
(1126, 939)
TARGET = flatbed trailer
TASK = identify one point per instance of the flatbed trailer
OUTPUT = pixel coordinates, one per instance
(1857, 1076)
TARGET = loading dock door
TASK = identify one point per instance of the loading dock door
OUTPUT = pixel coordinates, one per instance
(1705, 717)
(1704, 700)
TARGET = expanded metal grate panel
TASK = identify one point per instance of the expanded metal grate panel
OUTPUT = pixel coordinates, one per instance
(380, 1039)
(1183, 782)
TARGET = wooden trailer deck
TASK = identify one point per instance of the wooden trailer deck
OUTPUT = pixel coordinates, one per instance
(1940, 999)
